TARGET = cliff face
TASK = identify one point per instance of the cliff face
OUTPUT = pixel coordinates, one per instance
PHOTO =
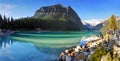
(61, 13)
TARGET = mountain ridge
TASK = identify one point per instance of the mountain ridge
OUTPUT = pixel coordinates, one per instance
(101, 24)
(93, 24)
(59, 12)
(106, 22)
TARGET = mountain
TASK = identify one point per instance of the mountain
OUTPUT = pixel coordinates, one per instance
(94, 24)
(106, 23)
(62, 14)
(98, 26)
(88, 25)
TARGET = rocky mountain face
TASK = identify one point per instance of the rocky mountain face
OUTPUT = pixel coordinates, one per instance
(98, 26)
(59, 12)
(106, 23)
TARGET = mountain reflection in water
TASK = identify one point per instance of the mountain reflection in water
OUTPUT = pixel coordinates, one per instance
(32, 46)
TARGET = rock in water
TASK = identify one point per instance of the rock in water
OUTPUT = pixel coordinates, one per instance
(60, 13)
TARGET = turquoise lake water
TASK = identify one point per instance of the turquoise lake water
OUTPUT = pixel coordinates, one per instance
(35, 46)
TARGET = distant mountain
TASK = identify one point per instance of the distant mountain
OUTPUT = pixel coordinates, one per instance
(98, 26)
(89, 26)
(106, 23)
(93, 24)
(62, 14)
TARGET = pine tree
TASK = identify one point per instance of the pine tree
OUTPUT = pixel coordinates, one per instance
(5, 19)
(112, 23)
(1, 21)
(1, 18)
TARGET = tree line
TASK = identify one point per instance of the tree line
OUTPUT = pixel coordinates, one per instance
(30, 23)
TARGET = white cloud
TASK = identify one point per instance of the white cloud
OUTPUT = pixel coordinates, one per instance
(6, 9)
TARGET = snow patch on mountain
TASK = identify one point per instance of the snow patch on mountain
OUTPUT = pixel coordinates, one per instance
(95, 24)
(92, 22)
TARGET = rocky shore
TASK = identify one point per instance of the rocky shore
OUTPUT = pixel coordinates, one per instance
(97, 49)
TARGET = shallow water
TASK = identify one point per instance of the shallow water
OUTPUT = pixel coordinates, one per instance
(34, 46)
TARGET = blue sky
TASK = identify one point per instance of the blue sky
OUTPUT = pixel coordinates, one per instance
(86, 9)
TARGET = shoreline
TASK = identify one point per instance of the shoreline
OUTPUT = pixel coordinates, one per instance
(85, 41)
(88, 49)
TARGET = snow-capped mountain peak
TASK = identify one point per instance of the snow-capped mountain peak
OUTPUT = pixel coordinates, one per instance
(92, 22)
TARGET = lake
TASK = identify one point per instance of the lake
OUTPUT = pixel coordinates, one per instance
(38, 46)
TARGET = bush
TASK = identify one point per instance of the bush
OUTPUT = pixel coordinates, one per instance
(96, 56)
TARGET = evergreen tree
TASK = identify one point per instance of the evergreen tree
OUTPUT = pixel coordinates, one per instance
(11, 23)
(112, 23)
(4, 23)
(5, 19)
(1, 18)
(1, 21)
